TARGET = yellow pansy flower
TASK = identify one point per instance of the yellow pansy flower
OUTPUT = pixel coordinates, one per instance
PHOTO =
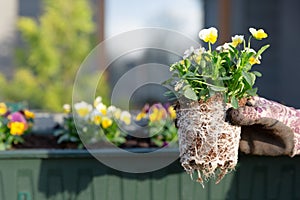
(28, 114)
(209, 35)
(154, 115)
(236, 40)
(106, 122)
(253, 60)
(17, 128)
(140, 116)
(157, 114)
(97, 119)
(172, 112)
(258, 34)
(197, 58)
(3, 108)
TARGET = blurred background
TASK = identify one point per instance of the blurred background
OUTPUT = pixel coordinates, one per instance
(43, 43)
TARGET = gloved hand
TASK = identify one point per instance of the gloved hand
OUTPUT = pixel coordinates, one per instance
(268, 128)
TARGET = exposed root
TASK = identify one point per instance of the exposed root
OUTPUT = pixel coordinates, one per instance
(207, 143)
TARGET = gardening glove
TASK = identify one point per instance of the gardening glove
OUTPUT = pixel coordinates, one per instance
(268, 128)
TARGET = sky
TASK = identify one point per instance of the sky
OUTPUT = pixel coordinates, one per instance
(185, 16)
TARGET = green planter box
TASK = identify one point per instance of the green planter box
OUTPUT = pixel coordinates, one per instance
(75, 174)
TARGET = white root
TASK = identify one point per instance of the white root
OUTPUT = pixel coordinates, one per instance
(207, 143)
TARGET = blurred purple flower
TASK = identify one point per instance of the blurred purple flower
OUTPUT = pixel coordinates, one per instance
(17, 117)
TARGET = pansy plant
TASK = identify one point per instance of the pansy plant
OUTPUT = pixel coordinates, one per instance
(227, 69)
(14, 123)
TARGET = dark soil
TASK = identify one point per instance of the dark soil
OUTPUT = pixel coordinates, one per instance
(43, 141)
(48, 141)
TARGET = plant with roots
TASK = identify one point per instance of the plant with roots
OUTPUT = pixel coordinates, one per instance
(207, 83)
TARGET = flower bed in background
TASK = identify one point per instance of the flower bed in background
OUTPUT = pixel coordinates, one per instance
(97, 125)
(153, 126)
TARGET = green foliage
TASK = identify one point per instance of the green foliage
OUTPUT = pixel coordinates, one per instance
(163, 132)
(227, 70)
(68, 133)
(54, 48)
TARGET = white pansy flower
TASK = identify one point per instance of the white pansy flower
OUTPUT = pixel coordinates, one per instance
(199, 51)
(188, 52)
(236, 40)
(117, 113)
(224, 47)
(209, 35)
(97, 101)
(67, 108)
(96, 117)
(83, 109)
(102, 108)
(125, 117)
(111, 110)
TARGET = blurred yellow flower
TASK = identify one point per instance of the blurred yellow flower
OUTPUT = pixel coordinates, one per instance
(67, 108)
(83, 108)
(197, 58)
(253, 60)
(172, 112)
(3, 108)
(236, 40)
(106, 122)
(125, 117)
(28, 114)
(17, 128)
(258, 34)
(209, 35)
(97, 119)
(157, 114)
(102, 108)
(140, 116)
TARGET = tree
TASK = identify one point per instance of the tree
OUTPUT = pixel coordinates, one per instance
(54, 47)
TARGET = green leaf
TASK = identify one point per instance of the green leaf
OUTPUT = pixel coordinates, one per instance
(252, 92)
(190, 94)
(187, 63)
(247, 76)
(262, 50)
(74, 139)
(63, 138)
(225, 78)
(58, 132)
(218, 88)
(191, 74)
(258, 74)
(234, 102)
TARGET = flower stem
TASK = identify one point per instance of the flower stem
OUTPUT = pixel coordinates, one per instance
(209, 46)
(249, 41)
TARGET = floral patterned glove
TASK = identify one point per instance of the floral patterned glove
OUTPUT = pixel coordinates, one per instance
(268, 128)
